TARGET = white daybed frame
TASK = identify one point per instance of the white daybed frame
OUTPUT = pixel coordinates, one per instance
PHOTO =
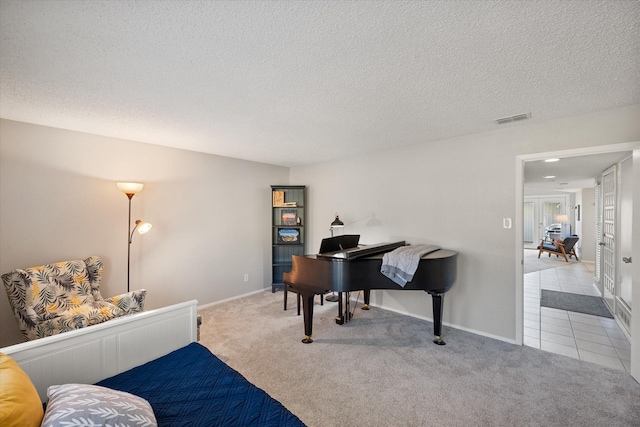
(94, 353)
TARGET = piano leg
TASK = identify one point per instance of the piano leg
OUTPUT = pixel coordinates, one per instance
(344, 316)
(437, 317)
(307, 308)
(367, 298)
(347, 306)
(340, 318)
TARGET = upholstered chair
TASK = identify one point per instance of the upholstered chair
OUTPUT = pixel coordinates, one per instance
(59, 297)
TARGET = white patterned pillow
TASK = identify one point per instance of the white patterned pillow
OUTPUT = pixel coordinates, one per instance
(91, 405)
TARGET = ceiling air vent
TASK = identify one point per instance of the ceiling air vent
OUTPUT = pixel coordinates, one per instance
(511, 119)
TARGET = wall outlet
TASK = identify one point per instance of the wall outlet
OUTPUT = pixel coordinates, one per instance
(246, 277)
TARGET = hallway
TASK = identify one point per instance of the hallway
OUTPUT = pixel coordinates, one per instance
(581, 336)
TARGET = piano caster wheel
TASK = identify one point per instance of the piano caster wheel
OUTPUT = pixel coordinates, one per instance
(365, 307)
(439, 341)
(307, 339)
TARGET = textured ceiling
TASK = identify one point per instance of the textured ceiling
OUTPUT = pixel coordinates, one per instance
(298, 82)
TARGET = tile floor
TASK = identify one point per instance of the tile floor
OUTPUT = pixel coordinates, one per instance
(581, 336)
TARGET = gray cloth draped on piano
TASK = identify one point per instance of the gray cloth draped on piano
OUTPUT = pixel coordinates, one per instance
(401, 264)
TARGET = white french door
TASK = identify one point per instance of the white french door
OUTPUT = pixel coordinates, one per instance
(607, 242)
(625, 194)
(539, 213)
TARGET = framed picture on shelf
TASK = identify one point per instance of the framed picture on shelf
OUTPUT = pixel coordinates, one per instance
(289, 216)
(288, 236)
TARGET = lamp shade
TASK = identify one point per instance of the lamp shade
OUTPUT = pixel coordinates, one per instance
(562, 218)
(337, 223)
(130, 187)
(142, 226)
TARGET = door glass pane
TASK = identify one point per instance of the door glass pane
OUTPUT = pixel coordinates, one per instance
(550, 211)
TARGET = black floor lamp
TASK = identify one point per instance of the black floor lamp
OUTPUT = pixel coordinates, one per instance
(131, 189)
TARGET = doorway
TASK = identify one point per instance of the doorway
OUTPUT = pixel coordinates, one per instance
(523, 216)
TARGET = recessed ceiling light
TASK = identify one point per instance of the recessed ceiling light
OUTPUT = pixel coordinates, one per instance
(551, 160)
(549, 177)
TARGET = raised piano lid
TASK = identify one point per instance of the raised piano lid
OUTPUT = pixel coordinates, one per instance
(361, 251)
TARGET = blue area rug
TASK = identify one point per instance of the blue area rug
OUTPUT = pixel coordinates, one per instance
(574, 302)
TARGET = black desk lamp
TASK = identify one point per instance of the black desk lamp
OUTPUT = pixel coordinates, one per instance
(335, 224)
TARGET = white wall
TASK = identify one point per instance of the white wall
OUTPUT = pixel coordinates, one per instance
(453, 193)
(588, 220)
(578, 225)
(59, 201)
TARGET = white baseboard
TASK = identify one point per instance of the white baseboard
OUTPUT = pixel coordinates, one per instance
(211, 304)
(430, 319)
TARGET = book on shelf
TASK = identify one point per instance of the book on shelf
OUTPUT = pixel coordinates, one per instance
(278, 198)
(289, 216)
(288, 236)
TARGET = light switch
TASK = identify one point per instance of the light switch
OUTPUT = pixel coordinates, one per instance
(506, 222)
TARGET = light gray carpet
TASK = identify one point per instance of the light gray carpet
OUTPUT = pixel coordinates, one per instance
(382, 369)
(574, 302)
(532, 263)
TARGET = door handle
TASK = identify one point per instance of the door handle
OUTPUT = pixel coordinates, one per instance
(601, 243)
(626, 260)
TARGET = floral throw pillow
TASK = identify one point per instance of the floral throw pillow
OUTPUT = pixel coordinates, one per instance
(90, 405)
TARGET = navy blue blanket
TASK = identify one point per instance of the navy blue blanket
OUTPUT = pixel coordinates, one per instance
(192, 387)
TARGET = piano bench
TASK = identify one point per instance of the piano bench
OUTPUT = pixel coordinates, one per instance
(288, 289)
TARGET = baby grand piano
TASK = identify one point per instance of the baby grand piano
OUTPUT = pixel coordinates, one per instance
(347, 269)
